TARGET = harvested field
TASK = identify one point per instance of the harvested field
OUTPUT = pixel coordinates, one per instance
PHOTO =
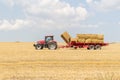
(20, 61)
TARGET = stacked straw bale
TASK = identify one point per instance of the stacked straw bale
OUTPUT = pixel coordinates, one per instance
(82, 40)
(90, 38)
(74, 39)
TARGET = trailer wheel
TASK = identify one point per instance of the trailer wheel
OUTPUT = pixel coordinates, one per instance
(98, 47)
(91, 47)
(75, 47)
(39, 47)
(52, 45)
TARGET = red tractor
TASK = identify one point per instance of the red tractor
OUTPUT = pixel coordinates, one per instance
(47, 43)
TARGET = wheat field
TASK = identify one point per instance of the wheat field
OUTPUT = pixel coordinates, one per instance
(20, 61)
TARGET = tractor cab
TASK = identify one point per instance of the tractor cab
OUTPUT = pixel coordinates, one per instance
(49, 38)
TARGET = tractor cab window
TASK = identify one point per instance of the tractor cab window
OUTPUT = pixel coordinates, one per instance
(49, 39)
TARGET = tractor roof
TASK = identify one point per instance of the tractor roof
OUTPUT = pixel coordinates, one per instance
(48, 35)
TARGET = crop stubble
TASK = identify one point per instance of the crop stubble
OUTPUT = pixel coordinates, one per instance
(20, 61)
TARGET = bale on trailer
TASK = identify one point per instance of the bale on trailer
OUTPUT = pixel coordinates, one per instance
(94, 41)
(66, 37)
(87, 36)
(91, 36)
(81, 40)
(88, 41)
(100, 36)
(74, 39)
(79, 36)
(97, 41)
(100, 41)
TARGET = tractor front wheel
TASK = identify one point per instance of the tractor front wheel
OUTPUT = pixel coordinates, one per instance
(52, 45)
(39, 47)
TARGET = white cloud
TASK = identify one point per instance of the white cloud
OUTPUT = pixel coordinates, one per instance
(105, 5)
(54, 9)
(90, 25)
(9, 3)
(89, 1)
(119, 23)
(50, 13)
(12, 25)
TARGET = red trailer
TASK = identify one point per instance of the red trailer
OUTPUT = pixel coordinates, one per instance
(74, 44)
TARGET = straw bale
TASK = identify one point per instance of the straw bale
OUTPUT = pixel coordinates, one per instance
(80, 36)
(100, 36)
(97, 41)
(87, 36)
(74, 39)
(88, 41)
(81, 40)
(66, 37)
(94, 40)
(100, 41)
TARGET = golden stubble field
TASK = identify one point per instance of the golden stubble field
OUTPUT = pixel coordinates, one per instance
(20, 61)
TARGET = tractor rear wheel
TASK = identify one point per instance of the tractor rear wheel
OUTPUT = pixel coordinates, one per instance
(39, 46)
(52, 45)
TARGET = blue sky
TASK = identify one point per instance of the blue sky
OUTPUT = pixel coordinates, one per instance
(31, 20)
